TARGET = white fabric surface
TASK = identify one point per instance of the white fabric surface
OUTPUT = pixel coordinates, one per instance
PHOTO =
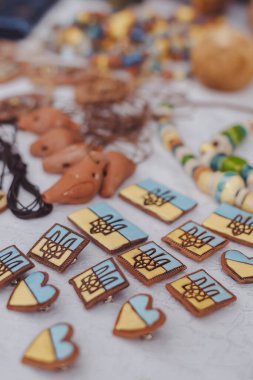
(216, 347)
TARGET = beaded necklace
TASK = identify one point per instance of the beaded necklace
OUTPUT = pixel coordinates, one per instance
(226, 178)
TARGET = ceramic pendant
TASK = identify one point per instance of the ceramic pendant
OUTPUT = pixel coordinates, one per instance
(137, 318)
(150, 263)
(238, 266)
(200, 293)
(52, 349)
(44, 119)
(54, 140)
(33, 293)
(233, 223)
(58, 248)
(99, 282)
(158, 200)
(107, 228)
(66, 158)
(118, 169)
(80, 183)
(13, 263)
(195, 241)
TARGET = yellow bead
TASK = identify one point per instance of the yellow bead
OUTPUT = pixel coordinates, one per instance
(231, 188)
(186, 13)
(72, 36)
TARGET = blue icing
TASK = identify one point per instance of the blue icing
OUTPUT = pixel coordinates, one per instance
(62, 349)
(166, 261)
(210, 286)
(182, 202)
(63, 236)
(139, 303)
(202, 233)
(230, 212)
(12, 259)
(42, 294)
(108, 274)
(127, 229)
(238, 256)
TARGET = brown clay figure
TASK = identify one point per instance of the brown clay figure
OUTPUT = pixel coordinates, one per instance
(61, 161)
(54, 140)
(80, 183)
(118, 169)
(43, 119)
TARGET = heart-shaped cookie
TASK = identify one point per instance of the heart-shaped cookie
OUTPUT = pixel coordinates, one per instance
(33, 293)
(52, 349)
(137, 318)
(238, 266)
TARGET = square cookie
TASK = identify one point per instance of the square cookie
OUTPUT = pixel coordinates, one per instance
(195, 241)
(12, 264)
(107, 228)
(200, 293)
(58, 247)
(150, 263)
(232, 223)
(158, 200)
(99, 282)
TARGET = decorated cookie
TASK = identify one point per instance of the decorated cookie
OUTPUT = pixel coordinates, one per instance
(107, 228)
(195, 241)
(137, 318)
(99, 282)
(200, 293)
(33, 293)
(13, 263)
(58, 247)
(158, 200)
(52, 349)
(150, 263)
(238, 266)
(232, 223)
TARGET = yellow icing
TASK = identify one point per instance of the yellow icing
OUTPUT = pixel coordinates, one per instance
(242, 269)
(174, 235)
(22, 296)
(129, 319)
(41, 349)
(178, 286)
(37, 250)
(84, 217)
(136, 194)
(129, 257)
(86, 295)
(219, 223)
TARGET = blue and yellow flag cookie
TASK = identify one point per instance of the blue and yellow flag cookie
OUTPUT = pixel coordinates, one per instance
(200, 293)
(107, 228)
(158, 200)
(195, 241)
(232, 223)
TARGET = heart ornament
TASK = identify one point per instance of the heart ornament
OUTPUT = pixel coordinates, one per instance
(33, 293)
(238, 266)
(52, 349)
(137, 318)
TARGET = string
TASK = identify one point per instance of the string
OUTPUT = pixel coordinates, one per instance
(13, 161)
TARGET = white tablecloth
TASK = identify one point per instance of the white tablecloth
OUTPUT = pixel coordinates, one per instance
(216, 347)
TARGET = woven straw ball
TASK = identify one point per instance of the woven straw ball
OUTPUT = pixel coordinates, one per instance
(223, 59)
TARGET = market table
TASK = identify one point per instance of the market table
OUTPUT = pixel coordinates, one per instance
(217, 346)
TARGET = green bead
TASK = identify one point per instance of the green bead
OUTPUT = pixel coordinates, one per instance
(232, 163)
(236, 134)
(186, 158)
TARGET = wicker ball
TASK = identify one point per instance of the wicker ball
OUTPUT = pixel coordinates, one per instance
(223, 59)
